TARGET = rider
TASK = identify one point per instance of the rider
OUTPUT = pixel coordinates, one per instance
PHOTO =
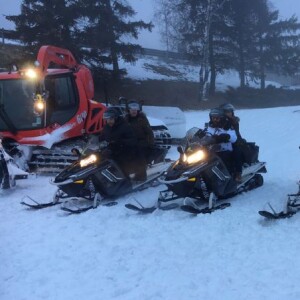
(237, 146)
(141, 127)
(122, 142)
(219, 127)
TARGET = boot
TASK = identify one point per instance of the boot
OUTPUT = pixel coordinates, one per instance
(5, 183)
(238, 177)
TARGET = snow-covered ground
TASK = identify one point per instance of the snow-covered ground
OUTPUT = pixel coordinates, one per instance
(156, 69)
(114, 253)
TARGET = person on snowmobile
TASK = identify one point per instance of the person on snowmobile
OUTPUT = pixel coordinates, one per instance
(142, 129)
(219, 127)
(238, 145)
(4, 174)
(228, 109)
(122, 142)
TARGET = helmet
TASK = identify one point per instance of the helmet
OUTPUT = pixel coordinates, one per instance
(227, 107)
(217, 117)
(216, 112)
(134, 105)
(111, 113)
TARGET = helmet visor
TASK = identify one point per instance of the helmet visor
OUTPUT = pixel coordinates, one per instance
(134, 106)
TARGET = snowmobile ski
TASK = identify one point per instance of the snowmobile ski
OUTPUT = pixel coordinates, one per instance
(292, 207)
(144, 210)
(275, 216)
(78, 206)
(31, 203)
(193, 210)
(149, 210)
(77, 210)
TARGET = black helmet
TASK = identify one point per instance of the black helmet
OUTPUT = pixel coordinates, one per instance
(227, 107)
(111, 113)
(134, 105)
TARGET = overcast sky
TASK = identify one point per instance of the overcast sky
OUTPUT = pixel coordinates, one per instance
(145, 11)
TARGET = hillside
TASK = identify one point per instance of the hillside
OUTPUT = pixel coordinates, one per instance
(172, 83)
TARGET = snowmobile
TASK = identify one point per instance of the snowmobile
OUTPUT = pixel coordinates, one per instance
(9, 172)
(292, 206)
(199, 182)
(95, 179)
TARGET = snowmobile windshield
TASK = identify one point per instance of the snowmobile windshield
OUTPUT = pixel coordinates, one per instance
(16, 105)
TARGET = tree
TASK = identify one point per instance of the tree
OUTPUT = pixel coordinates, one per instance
(278, 44)
(43, 22)
(198, 31)
(107, 30)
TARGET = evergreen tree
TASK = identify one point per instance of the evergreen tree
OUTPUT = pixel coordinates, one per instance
(47, 22)
(106, 31)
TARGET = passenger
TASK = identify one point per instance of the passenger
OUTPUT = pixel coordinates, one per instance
(234, 120)
(145, 137)
(219, 127)
(238, 145)
(122, 142)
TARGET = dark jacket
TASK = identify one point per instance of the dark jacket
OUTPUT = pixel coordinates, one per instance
(121, 139)
(142, 129)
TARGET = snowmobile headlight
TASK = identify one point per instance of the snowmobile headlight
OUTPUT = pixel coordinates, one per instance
(88, 161)
(194, 158)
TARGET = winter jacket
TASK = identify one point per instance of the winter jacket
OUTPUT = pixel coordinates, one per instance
(121, 139)
(142, 129)
(235, 125)
(226, 137)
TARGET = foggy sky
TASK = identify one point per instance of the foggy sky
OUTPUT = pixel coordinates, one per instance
(145, 11)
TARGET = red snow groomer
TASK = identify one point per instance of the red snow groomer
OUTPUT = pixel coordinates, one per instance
(47, 110)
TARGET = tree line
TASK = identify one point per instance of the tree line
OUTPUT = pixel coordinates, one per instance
(218, 35)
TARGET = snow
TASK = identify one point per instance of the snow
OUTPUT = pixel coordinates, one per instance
(114, 253)
(152, 68)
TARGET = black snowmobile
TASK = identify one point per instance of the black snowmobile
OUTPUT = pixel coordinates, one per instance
(9, 171)
(200, 180)
(292, 206)
(94, 179)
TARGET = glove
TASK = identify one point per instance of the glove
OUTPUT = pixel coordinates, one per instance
(200, 133)
(222, 138)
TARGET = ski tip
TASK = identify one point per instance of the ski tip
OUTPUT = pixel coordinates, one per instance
(144, 210)
(281, 215)
(268, 215)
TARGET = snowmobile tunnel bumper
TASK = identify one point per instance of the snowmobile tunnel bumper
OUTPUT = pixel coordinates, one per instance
(61, 183)
(181, 179)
